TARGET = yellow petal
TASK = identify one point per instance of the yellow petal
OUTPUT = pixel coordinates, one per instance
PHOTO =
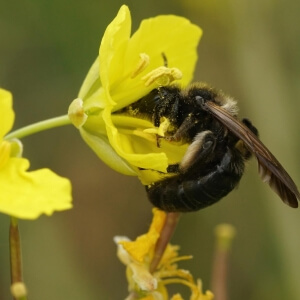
(143, 278)
(174, 36)
(147, 177)
(119, 139)
(142, 246)
(27, 195)
(113, 45)
(91, 91)
(101, 146)
(5, 149)
(7, 114)
(121, 252)
(160, 293)
(124, 62)
(91, 82)
(140, 148)
(123, 147)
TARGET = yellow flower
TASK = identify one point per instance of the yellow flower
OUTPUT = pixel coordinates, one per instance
(128, 68)
(23, 194)
(137, 256)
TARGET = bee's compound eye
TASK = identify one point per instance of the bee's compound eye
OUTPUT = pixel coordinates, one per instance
(199, 100)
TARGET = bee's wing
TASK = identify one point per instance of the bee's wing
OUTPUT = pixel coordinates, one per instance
(270, 170)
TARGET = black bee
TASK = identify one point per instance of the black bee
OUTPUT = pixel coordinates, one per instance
(219, 145)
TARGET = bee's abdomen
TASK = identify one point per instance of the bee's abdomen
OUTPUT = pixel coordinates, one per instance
(179, 195)
(184, 197)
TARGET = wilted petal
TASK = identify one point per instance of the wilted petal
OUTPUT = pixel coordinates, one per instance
(144, 244)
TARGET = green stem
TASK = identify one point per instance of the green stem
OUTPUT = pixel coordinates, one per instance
(16, 259)
(39, 126)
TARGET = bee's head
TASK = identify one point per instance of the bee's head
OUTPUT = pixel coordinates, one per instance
(202, 92)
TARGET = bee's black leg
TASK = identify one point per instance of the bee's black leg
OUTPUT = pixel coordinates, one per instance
(186, 125)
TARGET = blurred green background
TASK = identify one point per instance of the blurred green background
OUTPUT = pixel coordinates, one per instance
(250, 49)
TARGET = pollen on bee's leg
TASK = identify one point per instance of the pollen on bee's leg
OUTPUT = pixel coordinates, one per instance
(162, 76)
(141, 65)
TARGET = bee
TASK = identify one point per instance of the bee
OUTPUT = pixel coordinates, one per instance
(219, 146)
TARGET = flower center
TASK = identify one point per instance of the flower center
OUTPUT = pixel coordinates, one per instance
(4, 153)
(162, 75)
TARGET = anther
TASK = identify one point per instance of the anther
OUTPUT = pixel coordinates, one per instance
(162, 76)
(141, 65)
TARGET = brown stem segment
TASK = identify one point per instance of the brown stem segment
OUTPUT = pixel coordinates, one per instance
(219, 279)
(167, 231)
(15, 252)
(225, 234)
